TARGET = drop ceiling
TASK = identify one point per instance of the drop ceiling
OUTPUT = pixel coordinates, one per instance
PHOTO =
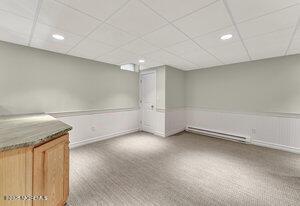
(184, 34)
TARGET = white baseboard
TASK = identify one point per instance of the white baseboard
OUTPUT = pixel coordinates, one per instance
(170, 133)
(276, 146)
(100, 138)
(159, 134)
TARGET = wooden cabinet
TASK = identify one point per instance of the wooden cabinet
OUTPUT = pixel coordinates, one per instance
(36, 171)
(15, 175)
(51, 172)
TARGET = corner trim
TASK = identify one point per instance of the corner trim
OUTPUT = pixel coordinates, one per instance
(175, 131)
(159, 134)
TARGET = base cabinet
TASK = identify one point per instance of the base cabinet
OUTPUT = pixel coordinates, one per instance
(39, 172)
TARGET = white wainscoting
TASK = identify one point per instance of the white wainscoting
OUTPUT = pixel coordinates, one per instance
(175, 121)
(278, 131)
(159, 127)
(94, 126)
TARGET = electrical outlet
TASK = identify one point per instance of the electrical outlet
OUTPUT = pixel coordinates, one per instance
(253, 131)
(93, 129)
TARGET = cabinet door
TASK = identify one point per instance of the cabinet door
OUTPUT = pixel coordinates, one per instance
(15, 176)
(51, 172)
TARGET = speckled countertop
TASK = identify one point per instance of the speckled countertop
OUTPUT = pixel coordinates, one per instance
(29, 130)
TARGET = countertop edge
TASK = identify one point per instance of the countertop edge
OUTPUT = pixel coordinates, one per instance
(38, 142)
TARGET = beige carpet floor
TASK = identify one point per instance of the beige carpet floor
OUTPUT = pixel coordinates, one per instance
(185, 169)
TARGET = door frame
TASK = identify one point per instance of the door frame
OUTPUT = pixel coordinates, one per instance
(145, 72)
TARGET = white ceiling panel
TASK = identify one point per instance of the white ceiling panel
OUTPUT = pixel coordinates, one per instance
(208, 19)
(23, 8)
(183, 47)
(150, 64)
(137, 19)
(295, 47)
(50, 45)
(119, 56)
(244, 10)
(269, 23)
(165, 36)
(100, 9)
(90, 49)
(184, 34)
(230, 53)
(295, 44)
(111, 35)
(183, 65)
(201, 58)
(62, 17)
(44, 33)
(14, 29)
(165, 58)
(214, 39)
(162, 56)
(43, 39)
(269, 45)
(15, 23)
(174, 9)
(140, 47)
(13, 37)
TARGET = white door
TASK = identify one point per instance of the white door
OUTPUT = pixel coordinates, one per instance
(148, 101)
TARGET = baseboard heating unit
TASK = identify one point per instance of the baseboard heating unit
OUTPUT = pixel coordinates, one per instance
(217, 134)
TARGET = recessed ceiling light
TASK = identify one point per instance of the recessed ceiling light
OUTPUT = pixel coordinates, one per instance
(141, 61)
(226, 37)
(58, 37)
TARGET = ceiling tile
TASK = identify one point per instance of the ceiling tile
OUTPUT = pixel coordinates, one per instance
(269, 23)
(166, 58)
(23, 8)
(111, 35)
(150, 64)
(201, 58)
(44, 33)
(211, 18)
(13, 37)
(14, 28)
(140, 47)
(42, 39)
(90, 49)
(183, 65)
(137, 19)
(161, 56)
(100, 9)
(165, 36)
(119, 56)
(147, 64)
(173, 9)
(183, 47)
(50, 45)
(269, 45)
(295, 45)
(62, 17)
(244, 10)
(15, 23)
(230, 53)
(107, 60)
(213, 39)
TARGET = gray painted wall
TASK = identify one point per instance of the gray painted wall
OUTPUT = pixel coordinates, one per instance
(270, 85)
(175, 88)
(33, 81)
